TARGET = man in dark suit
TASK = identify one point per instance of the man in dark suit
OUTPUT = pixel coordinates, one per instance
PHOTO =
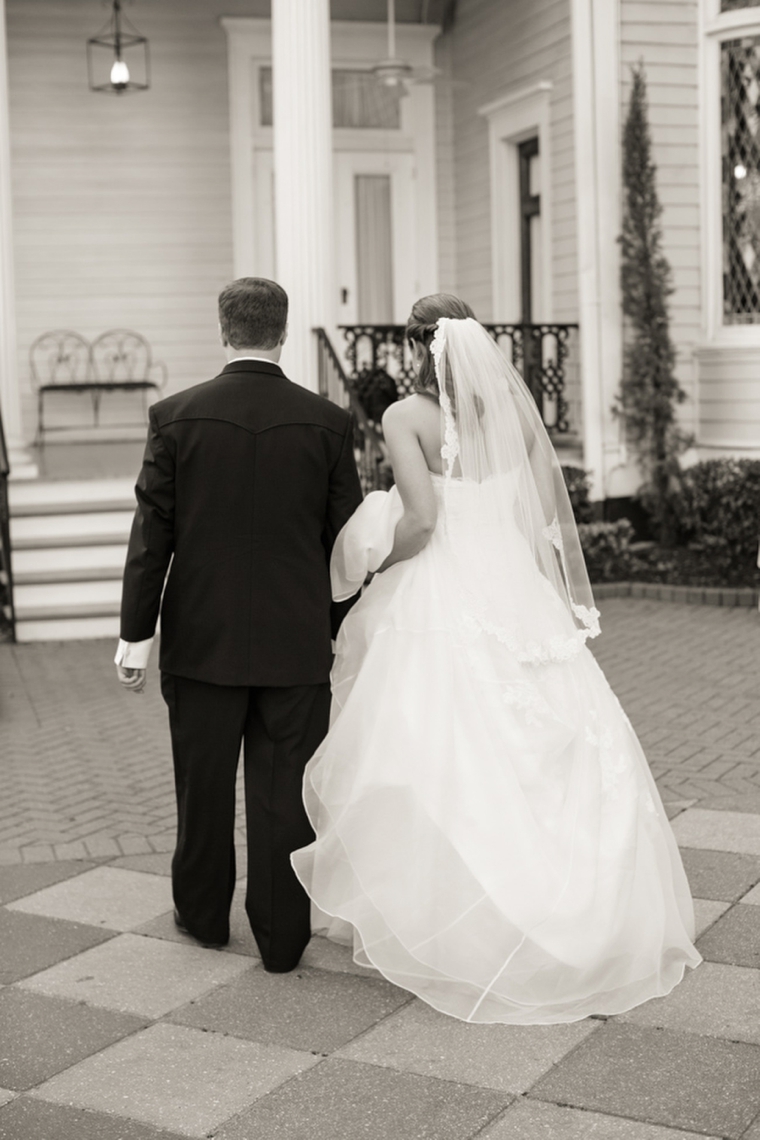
(246, 481)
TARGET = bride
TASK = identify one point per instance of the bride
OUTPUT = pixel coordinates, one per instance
(488, 834)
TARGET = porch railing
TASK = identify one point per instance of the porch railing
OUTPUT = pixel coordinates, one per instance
(369, 448)
(546, 355)
(7, 611)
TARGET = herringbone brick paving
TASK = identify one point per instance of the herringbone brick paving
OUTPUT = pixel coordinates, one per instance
(87, 770)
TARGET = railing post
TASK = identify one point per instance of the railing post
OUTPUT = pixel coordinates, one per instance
(7, 608)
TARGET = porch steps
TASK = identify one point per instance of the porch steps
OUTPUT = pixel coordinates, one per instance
(69, 544)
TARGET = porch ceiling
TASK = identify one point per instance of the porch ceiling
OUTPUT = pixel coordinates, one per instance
(407, 11)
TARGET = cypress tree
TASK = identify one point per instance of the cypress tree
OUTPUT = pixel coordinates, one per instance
(649, 390)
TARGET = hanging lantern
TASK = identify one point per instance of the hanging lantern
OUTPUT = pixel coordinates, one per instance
(117, 57)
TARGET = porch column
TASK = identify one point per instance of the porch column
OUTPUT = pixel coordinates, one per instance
(10, 397)
(596, 84)
(303, 175)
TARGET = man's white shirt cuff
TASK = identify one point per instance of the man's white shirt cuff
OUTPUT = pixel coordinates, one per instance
(133, 654)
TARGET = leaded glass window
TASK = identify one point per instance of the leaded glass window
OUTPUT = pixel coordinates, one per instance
(740, 121)
(359, 101)
(731, 5)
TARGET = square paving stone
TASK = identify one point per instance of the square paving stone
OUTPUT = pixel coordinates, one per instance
(753, 1133)
(105, 896)
(720, 874)
(716, 1000)
(42, 1035)
(510, 1058)
(323, 954)
(241, 937)
(31, 943)
(746, 802)
(159, 863)
(15, 882)
(734, 938)
(707, 912)
(138, 975)
(306, 1009)
(698, 1084)
(31, 1119)
(533, 1120)
(753, 897)
(341, 1100)
(718, 830)
(176, 1078)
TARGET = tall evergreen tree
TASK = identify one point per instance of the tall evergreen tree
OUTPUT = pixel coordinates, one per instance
(649, 390)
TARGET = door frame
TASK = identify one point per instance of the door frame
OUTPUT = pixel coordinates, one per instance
(353, 44)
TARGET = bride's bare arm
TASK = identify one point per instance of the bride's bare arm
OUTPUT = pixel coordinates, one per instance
(412, 480)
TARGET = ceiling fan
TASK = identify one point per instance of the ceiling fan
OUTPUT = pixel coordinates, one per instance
(394, 72)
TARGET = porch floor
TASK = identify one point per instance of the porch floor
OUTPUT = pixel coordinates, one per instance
(81, 460)
(118, 1026)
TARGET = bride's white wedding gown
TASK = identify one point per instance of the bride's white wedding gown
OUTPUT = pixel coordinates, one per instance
(489, 835)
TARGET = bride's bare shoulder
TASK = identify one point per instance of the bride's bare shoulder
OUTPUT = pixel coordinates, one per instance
(415, 412)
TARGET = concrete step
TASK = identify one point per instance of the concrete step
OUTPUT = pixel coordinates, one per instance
(104, 528)
(69, 629)
(54, 497)
(66, 600)
(68, 564)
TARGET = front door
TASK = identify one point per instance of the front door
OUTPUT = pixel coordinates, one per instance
(374, 232)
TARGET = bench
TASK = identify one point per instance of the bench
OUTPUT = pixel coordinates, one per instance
(117, 360)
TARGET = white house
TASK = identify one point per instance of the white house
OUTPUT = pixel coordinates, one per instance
(266, 144)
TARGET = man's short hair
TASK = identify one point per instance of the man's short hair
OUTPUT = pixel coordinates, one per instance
(253, 312)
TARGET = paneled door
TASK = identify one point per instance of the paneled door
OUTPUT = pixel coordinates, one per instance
(375, 238)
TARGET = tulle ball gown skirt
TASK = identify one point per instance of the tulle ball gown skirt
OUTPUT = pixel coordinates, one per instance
(489, 836)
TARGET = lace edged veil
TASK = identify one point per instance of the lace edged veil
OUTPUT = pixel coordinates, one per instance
(494, 436)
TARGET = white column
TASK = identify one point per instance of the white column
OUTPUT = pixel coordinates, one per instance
(10, 399)
(596, 86)
(303, 175)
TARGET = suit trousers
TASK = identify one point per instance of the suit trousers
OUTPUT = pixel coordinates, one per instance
(280, 729)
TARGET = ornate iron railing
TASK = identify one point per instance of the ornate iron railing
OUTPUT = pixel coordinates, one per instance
(369, 448)
(546, 355)
(7, 611)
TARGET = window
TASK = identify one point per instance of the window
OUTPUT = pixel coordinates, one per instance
(732, 5)
(740, 164)
(359, 101)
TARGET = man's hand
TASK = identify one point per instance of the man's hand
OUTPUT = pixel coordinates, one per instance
(133, 679)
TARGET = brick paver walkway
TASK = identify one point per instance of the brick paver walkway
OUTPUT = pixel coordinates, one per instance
(87, 767)
(114, 1026)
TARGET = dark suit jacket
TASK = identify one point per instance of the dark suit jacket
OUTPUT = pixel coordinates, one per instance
(246, 481)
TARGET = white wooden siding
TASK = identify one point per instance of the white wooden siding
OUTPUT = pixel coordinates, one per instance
(121, 205)
(664, 36)
(499, 46)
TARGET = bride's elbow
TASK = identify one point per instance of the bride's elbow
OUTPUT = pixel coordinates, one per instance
(424, 524)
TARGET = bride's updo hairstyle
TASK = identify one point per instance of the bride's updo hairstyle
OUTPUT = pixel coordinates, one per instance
(421, 328)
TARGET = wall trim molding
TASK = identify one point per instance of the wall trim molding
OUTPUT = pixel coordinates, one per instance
(512, 118)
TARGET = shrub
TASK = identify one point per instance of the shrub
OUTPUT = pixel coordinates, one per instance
(577, 483)
(718, 510)
(607, 549)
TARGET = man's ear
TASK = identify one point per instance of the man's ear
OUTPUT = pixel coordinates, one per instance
(284, 336)
(222, 337)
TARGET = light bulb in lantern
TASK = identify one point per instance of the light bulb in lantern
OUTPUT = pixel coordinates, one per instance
(740, 171)
(119, 73)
